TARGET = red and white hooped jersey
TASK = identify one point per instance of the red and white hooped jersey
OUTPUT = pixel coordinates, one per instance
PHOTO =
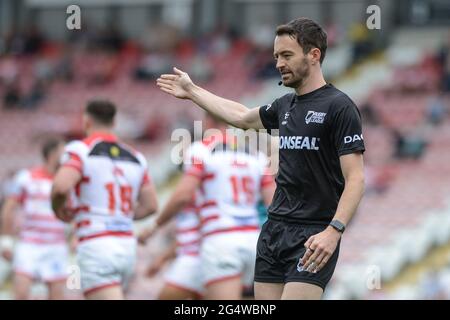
(231, 185)
(187, 231)
(112, 176)
(32, 188)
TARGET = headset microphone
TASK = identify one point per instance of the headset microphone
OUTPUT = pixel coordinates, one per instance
(280, 83)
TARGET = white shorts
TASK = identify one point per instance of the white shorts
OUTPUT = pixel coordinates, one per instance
(43, 262)
(106, 261)
(185, 273)
(229, 255)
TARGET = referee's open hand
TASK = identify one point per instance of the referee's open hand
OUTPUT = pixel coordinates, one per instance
(319, 248)
(178, 84)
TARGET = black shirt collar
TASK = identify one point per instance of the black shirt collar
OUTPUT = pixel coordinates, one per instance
(313, 93)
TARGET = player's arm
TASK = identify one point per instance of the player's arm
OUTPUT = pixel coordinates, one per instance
(181, 86)
(10, 206)
(268, 187)
(180, 198)
(64, 181)
(71, 236)
(169, 253)
(7, 227)
(147, 202)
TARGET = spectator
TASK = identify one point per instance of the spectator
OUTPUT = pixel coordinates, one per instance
(34, 40)
(369, 115)
(436, 110)
(105, 70)
(262, 34)
(36, 95)
(14, 42)
(156, 128)
(9, 71)
(110, 39)
(64, 67)
(410, 145)
(217, 42)
(333, 31)
(262, 64)
(12, 96)
(152, 65)
(160, 37)
(200, 68)
(362, 42)
(43, 69)
(445, 61)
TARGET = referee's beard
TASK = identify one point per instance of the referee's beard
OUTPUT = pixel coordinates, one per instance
(299, 75)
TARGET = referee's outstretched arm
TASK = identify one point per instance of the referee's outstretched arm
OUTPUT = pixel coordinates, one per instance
(181, 86)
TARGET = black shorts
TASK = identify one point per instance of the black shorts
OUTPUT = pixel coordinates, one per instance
(280, 247)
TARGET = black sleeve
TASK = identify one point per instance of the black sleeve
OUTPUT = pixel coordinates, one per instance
(269, 115)
(346, 129)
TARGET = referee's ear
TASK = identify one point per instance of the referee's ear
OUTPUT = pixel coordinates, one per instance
(315, 55)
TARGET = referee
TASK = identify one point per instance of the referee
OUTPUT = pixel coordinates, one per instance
(320, 179)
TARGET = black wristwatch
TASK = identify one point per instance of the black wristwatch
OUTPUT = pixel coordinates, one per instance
(339, 226)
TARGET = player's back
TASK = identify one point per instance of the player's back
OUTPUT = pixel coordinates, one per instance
(231, 186)
(112, 175)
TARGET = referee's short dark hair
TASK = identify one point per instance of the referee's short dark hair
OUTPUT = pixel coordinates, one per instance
(49, 145)
(308, 33)
(101, 111)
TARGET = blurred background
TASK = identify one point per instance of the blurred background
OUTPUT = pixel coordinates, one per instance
(398, 244)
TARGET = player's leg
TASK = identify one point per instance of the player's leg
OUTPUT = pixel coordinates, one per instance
(126, 262)
(183, 279)
(227, 288)
(268, 291)
(301, 291)
(222, 266)
(53, 270)
(173, 292)
(25, 260)
(56, 289)
(101, 278)
(106, 265)
(248, 292)
(107, 292)
(22, 286)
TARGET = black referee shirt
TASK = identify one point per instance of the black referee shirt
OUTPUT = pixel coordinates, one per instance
(314, 130)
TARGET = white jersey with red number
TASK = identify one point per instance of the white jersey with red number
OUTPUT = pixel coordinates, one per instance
(187, 228)
(32, 189)
(112, 176)
(231, 185)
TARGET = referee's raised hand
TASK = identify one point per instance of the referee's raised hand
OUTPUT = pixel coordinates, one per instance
(178, 84)
(319, 248)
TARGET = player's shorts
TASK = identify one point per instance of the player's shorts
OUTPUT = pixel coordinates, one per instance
(280, 248)
(185, 272)
(106, 262)
(229, 255)
(41, 262)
